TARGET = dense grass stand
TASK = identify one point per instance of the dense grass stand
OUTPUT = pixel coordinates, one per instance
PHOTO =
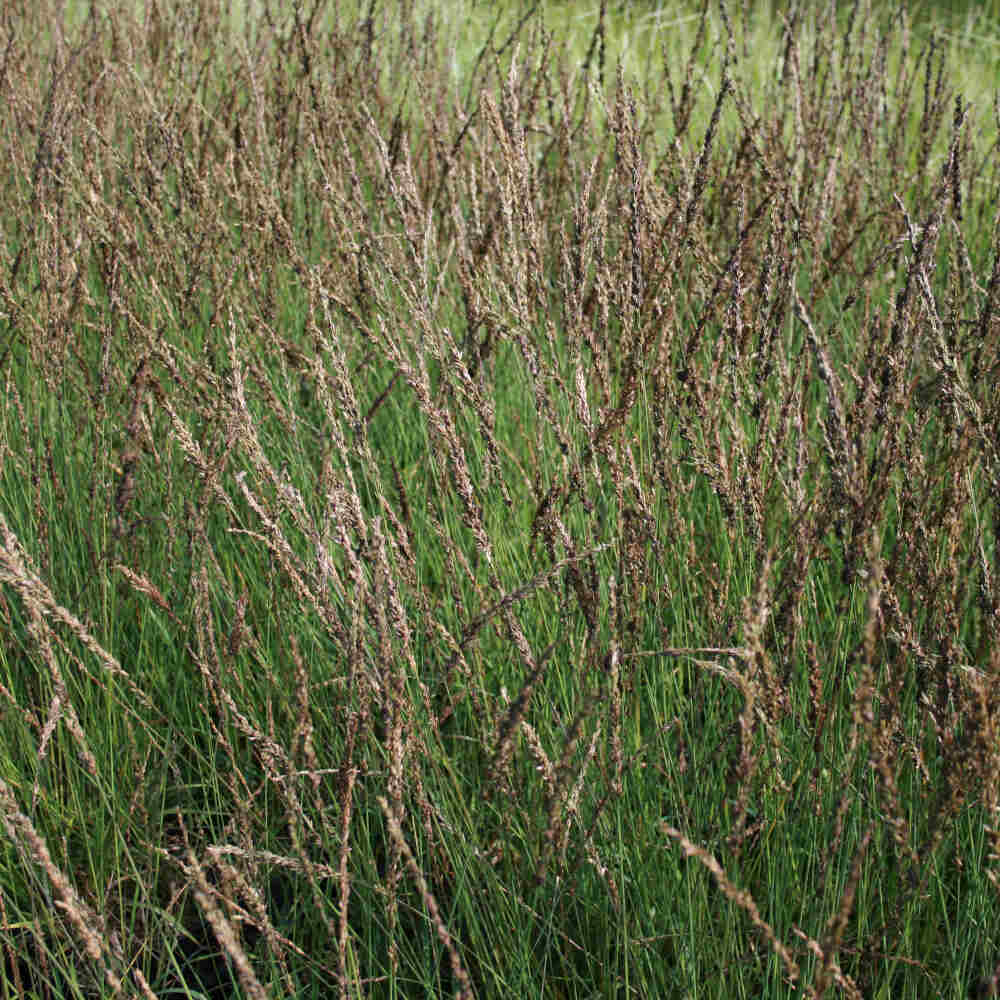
(498, 501)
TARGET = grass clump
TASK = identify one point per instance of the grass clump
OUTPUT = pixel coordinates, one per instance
(502, 517)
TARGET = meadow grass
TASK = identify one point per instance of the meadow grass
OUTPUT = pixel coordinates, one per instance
(499, 501)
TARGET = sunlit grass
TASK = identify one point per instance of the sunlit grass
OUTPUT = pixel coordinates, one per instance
(473, 523)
